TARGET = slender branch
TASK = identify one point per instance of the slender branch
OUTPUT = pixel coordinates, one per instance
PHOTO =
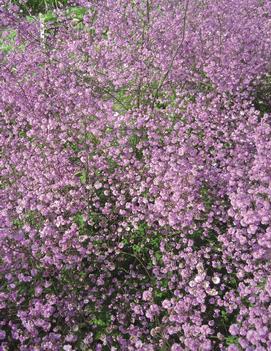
(139, 260)
(173, 57)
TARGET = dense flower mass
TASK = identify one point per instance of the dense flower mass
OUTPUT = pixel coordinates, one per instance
(135, 175)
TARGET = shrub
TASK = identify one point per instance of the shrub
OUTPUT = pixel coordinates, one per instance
(135, 175)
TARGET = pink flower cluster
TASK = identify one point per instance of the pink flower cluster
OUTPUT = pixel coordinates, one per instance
(136, 177)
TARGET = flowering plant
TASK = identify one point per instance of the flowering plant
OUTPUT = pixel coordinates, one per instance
(135, 175)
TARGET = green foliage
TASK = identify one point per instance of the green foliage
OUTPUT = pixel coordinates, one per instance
(101, 196)
(79, 220)
(246, 302)
(49, 16)
(18, 223)
(161, 295)
(112, 164)
(140, 243)
(7, 42)
(233, 282)
(262, 100)
(33, 218)
(92, 138)
(134, 140)
(122, 101)
(74, 147)
(82, 175)
(230, 340)
(99, 320)
(35, 7)
(202, 240)
(206, 197)
(262, 283)
(77, 12)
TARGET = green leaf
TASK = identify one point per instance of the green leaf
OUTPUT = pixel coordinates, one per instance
(93, 138)
(18, 223)
(231, 340)
(99, 322)
(82, 175)
(48, 17)
(77, 12)
(224, 315)
(79, 220)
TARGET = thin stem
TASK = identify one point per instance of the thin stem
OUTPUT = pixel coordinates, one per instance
(173, 57)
